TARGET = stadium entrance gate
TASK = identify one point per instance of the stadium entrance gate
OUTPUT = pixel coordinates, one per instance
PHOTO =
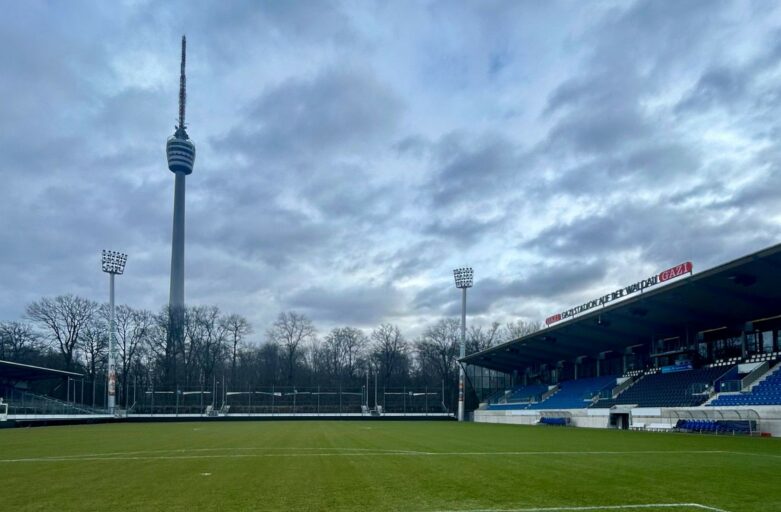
(620, 420)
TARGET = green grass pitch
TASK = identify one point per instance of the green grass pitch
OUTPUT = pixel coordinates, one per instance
(375, 465)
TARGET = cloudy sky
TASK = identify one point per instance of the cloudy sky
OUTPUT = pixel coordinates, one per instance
(350, 155)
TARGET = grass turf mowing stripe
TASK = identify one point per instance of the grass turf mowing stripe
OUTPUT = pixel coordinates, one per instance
(119, 456)
(390, 467)
(597, 508)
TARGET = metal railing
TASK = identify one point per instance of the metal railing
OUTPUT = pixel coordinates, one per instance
(622, 387)
(26, 403)
(753, 376)
(288, 400)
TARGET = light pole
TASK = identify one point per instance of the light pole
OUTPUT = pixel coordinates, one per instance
(113, 264)
(463, 277)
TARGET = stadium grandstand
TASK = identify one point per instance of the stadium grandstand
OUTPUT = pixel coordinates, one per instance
(33, 392)
(677, 350)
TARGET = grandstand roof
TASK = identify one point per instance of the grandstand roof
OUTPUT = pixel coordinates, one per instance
(723, 297)
(18, 371)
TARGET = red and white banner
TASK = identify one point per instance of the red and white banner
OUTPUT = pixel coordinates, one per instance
(678, 270)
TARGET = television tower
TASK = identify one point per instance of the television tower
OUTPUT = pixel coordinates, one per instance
(181, 157)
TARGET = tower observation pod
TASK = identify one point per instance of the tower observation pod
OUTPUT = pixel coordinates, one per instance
(180, 149)
(181, 153)
(181, 156)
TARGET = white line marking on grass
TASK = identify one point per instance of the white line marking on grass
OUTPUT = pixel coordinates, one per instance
(224, 449)
(592, 452)
(337, 452)
(603, 507)
(755, 454)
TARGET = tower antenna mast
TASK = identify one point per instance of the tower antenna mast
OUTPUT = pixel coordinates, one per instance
(180, 151)
(182, 85)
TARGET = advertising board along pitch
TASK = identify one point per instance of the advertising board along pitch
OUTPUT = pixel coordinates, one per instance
(639, 286)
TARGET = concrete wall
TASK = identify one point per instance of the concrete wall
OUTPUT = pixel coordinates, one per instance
(769, 420)
(587, 418)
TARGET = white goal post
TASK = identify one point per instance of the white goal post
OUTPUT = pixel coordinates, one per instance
(3, 410)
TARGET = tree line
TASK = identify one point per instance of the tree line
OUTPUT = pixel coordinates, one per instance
(72, 333)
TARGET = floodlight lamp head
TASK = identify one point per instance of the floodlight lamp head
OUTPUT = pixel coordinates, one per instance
(114, 262)
(463, 277)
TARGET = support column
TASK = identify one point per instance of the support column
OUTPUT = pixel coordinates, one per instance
(462, 354)
(112, 362)
(743, 348)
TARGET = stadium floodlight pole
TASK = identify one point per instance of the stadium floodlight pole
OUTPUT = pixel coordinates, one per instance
(113, 264)
(463, 277)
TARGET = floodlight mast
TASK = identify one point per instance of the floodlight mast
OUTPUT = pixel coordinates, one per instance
(113, 264)
(464, 278)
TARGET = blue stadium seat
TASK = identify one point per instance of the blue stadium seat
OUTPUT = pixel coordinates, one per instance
(559, 422)
(717, 426)
(767, 392)
(518, 397)
(576, 394)
(667, 389)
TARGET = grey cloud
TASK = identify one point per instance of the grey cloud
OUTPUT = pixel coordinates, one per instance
(653, 165)
(633, 52)
(274, 234)
(662, 234)
(655, 35)
(598, 130)
(413, 145)
(463, 231)
(470, 170)
(346, 110)
(361, 305)
(409, 261)
(735, 86)
(348, 193)
(228, 35)
(718, 86)
(546, 281)
(129, 113)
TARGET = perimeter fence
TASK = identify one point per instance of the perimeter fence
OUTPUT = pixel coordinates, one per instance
(289, 400)
(83, 397)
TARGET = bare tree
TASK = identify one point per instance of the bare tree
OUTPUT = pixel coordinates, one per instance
(237, 328)
(133, 327)
(519, 328)
(437, 352)
(63, 319)
(94, 348)
(389, 350)
(17, 340)
(478, 338)
(289, 331)
(188, 347)
(94, 344)
(438, 348)
(207, 339)
(268, 360)
(159, 348)
(344, 347)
